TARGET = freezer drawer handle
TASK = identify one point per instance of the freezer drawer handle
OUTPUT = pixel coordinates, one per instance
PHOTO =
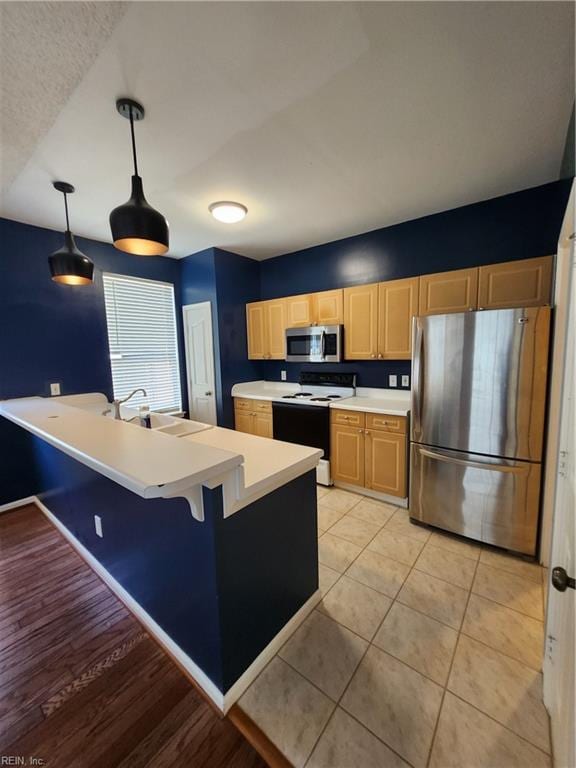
(561, 580)
(472, 464)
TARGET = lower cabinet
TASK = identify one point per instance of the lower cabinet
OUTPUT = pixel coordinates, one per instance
(253, 416)
(372, 453)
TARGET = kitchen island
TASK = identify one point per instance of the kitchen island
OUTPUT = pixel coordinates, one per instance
(209, 538)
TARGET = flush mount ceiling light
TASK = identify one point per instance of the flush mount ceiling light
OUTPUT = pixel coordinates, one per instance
(228, 212)
(136, 226)
(68, 265)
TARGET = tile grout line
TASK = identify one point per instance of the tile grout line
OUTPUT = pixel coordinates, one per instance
(445, 687)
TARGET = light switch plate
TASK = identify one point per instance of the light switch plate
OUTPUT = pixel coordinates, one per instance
(393, 380)
(282, 375)
(98, 526)
(55, 389)
(405, 380)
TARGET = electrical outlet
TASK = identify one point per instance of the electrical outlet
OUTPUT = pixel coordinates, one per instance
(282, 375)
(405, 380)
(392, 380)
(98, 526)
(55, 389)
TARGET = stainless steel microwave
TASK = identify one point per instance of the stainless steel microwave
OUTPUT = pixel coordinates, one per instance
(316, 344)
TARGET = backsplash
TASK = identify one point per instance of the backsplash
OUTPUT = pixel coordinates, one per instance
(369, 373)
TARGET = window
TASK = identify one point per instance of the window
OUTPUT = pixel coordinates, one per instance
(142, 338)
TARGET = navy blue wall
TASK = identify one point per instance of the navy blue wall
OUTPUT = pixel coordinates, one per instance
(228, 281)
(223, 588)
(56, 333)
(518, 226)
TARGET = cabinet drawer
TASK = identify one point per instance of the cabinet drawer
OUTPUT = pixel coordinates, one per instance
(242, 404)
(247, 404)
(348, 418)
(387, 423)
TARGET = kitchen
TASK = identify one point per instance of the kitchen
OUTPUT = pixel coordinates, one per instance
(353, 413)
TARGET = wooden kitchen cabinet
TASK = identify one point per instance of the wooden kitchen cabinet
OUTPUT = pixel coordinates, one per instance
(361, 322)
(253, 416)
(525, 283)
(369, 450)
(256, 330)
(328, 307)
(266, 323)
(385, 462)
(299, 311)
(347, 460)
(397, 305)
(445, 292)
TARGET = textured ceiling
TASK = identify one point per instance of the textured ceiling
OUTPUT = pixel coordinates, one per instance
(325, 119)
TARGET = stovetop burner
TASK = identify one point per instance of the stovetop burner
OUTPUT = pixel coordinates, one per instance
(320, 399)
(297, 396)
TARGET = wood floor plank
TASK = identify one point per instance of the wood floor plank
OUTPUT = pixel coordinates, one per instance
(81, 682)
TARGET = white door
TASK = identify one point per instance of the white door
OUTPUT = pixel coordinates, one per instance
(200, 362)
(559, 653)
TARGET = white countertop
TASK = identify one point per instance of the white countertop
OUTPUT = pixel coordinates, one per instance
(264, 390)
(370, 400)
(153, 464)
(394, 402)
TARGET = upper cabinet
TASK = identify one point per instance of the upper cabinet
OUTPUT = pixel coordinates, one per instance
(266, 322)
(299, 311)
(526, 283)
(377, 317)
(445, 292)
(397, 305)
(328, 307)
(361, 322)
(324, 308)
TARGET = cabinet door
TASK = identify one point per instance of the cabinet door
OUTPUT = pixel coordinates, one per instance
(361, 322)
(445, 292)
(328, 307)
(397, 305)
(262, 424)
(525, 283)
(243, 421)
(347, 454)
(299, 311)
(386, 462)
(276, 326)
(256, 324)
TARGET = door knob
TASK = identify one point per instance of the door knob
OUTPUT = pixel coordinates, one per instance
(561, 581)
(207, 394)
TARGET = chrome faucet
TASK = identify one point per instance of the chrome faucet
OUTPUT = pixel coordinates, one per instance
(118, 403)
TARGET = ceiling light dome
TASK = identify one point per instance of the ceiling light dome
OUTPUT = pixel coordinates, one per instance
(136, 226)
(228, 212)
(68, 265)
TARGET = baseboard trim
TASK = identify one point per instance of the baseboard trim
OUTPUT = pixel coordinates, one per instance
(247, 678)
(222, 702)
(19, 503)
(370, 494)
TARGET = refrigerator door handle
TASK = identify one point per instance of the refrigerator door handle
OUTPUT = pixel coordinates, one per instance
(472, 464)
(417, 378)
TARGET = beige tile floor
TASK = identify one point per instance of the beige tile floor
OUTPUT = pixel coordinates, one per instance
(425, 651)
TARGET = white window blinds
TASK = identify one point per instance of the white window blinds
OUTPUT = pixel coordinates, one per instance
(142, 338)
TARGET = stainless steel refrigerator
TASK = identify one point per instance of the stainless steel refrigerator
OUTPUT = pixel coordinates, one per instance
(477, 423)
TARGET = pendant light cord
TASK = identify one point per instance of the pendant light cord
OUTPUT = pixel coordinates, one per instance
(66, 209)
(133, 143)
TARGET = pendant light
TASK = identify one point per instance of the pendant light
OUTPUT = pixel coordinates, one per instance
(68, 265)
(136, 226)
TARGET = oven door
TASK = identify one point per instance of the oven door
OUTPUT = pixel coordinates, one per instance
(316, 344)
(302, 424)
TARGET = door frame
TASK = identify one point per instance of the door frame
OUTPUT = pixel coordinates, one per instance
(562, 282)
(186, 308)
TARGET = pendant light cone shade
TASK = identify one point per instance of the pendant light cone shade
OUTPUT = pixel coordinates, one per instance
(68, 265)
(136, 226)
